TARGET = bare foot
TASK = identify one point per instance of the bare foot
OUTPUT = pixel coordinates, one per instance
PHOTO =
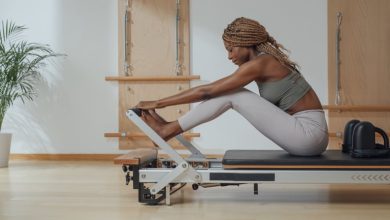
(156, 116)
(165, 130)
(156, 125)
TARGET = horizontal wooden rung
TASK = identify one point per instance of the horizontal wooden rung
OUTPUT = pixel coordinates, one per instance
(340, 134)
(144, 136)
(152, 78)
(361, 108)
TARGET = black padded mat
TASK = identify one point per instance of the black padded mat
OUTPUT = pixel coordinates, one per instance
(282, 158)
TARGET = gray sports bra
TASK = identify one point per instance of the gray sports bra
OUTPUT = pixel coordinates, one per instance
(285, 92)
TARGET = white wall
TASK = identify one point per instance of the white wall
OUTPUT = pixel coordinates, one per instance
(75, 109)
(71, 114)
(300, 25)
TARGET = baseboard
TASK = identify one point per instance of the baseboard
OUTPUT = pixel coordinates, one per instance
(63, 156)
(82, 156)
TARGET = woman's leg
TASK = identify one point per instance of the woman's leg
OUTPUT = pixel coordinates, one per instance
(303, 134)
(166, 130)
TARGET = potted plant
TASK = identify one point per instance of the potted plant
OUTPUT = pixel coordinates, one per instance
(20, 66)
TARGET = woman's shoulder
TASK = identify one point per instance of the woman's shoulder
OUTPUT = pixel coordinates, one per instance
(264, 59)
(272, 69)
(258, 63)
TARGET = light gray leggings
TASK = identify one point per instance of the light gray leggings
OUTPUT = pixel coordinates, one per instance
(305, 133)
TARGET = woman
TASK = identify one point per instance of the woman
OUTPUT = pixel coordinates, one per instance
(287, 111)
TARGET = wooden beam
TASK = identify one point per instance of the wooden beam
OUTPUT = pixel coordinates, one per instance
(152, 78)
(340, 134)
(358, 108)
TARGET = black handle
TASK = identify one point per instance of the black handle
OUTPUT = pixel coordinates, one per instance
(384, 135)
(137, 111)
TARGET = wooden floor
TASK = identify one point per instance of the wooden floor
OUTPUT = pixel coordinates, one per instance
(95, 190)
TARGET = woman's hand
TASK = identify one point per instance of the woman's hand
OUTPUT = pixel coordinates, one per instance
(145, 105)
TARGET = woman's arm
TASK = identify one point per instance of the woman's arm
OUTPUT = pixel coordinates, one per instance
(245, 74)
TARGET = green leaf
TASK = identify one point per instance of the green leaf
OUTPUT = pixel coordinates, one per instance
(20, 66)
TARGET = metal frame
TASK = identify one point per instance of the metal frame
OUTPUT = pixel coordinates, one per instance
(275, 176)
(163, 179)
(182, 170)
(178, 40)
(127, 66)
(338, 31)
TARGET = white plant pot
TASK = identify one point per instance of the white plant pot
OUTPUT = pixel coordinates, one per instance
(5, 146)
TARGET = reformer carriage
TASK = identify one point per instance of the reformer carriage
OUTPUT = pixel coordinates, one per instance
(157, 178)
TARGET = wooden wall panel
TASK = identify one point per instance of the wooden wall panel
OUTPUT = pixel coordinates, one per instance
(152, 52)
(131, 94)
(365, 56)
(153, 37)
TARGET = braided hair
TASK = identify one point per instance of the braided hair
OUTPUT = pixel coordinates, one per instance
(245, 32)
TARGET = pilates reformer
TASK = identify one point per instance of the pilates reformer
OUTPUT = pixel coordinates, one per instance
(158, 178)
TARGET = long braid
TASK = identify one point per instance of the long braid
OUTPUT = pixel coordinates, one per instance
(244, 32)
